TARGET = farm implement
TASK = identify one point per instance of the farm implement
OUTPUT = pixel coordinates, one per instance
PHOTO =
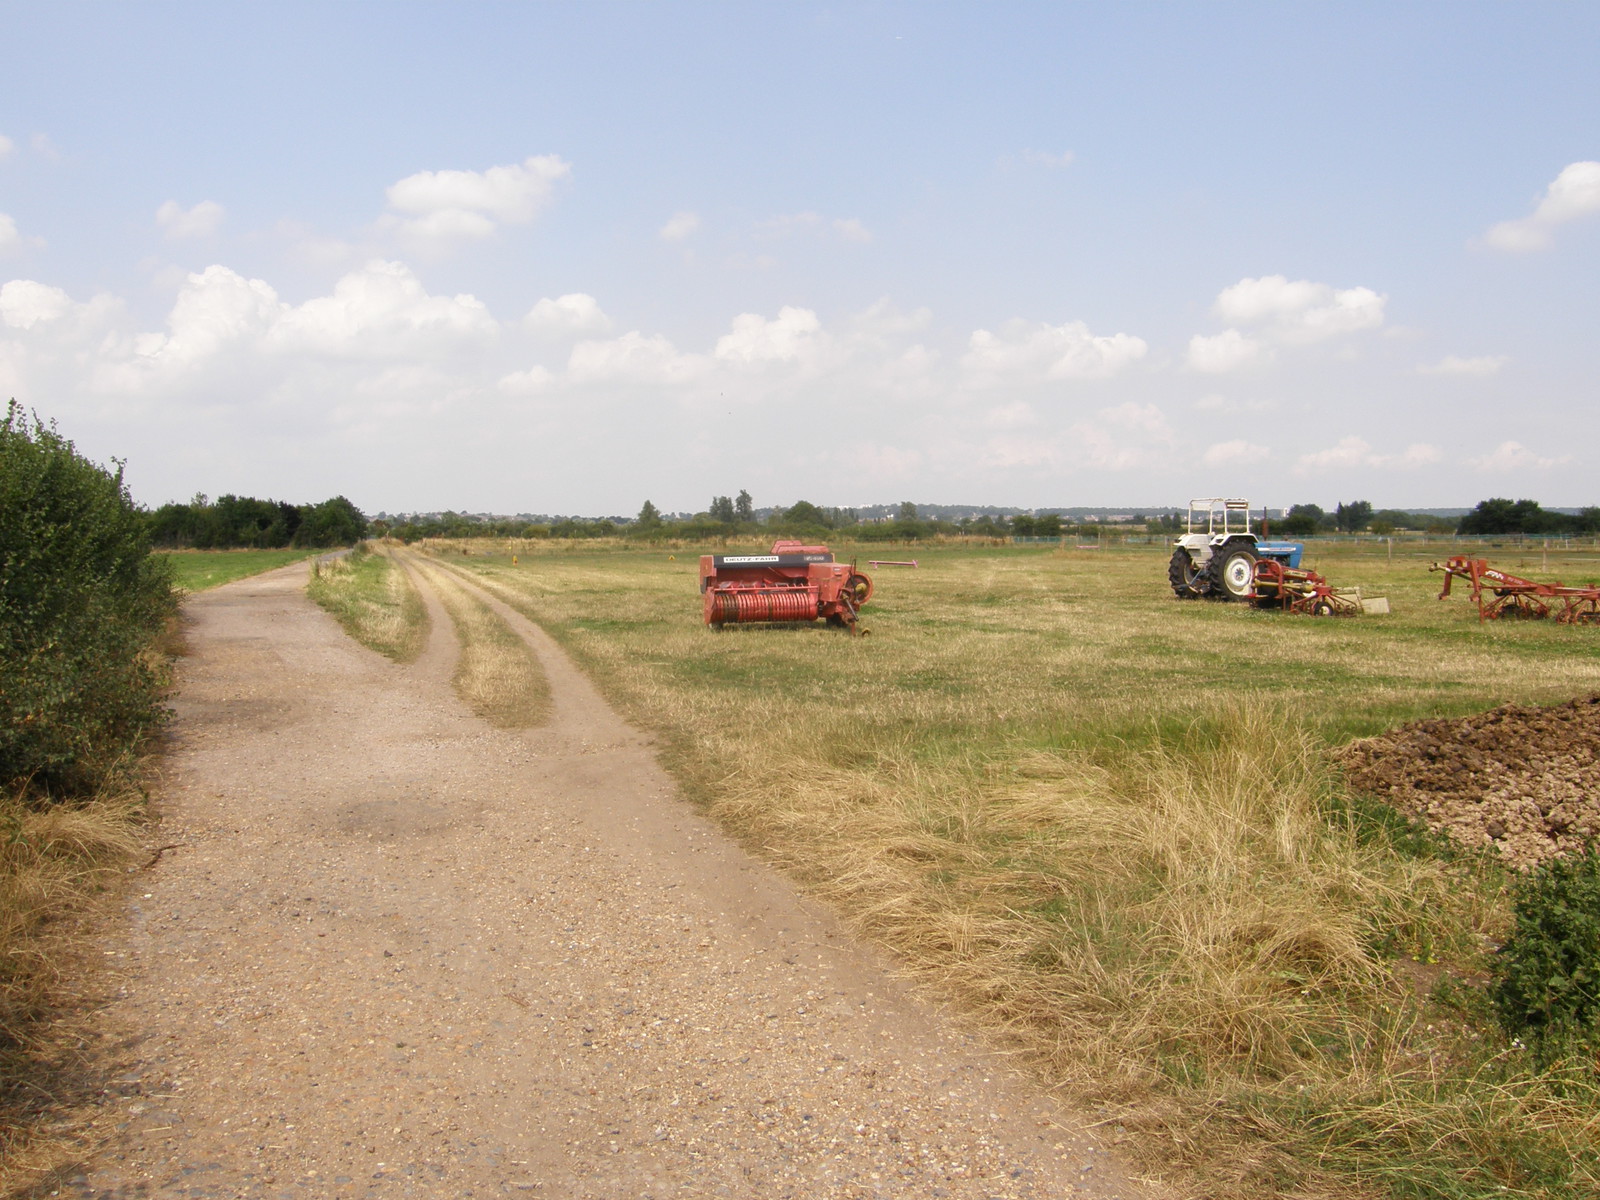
(1500, 594)
(794, 583)
(1298, 590)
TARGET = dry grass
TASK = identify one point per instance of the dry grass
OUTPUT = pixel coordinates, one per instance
(497, 675)
(60, 863)
(368, 594)
(1102, 820)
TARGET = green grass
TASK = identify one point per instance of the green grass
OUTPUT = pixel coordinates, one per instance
(371, 597)
(1103, 820)
(198, 570)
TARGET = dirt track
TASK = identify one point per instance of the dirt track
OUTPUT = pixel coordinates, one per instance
(395, 952)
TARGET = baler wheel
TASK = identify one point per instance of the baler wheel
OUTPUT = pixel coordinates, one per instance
(1322, 608)
(1233, 572)
(1183, 575)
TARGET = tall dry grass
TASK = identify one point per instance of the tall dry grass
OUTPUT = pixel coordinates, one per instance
(61, 864)
(1102, 823)
(497, 675)
(372, 598)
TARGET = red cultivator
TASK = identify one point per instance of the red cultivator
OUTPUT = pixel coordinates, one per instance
(794, 583)
(1296, 590)
(1513, 596)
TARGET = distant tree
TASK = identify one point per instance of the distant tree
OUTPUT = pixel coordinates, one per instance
(804, 515)
(1047, 525)
(744, 507)
(908, 511)
(1023, 525)
(334, 522)
(722, 509)
(1503, 516)
(649, 517)
(1352, 517)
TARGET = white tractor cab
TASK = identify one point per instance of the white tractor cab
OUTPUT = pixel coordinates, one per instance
(1217, 556)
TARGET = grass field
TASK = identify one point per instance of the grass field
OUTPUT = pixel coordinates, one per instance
(1103, 822)
(197, 570)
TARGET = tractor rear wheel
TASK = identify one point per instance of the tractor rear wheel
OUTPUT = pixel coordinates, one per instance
(1233, 572)
(1183, 575)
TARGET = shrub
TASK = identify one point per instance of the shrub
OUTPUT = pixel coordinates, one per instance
(81, 601)
(1547, 985)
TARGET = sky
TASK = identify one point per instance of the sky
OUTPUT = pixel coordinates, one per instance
(564, 258)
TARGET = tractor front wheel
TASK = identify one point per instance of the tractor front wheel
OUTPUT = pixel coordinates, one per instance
(1183, 575)
(1234, 572)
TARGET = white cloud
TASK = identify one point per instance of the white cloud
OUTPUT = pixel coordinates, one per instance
(794, 335)
(1450, 364)
(8, 233)
(1043, 158)
(1299, 310)
(679, 226)
(1573, 194)
(523, 383)
(382, 309)
(1229, 350)
(882, 320)
(1234, 453)
(852, 230)
(789, 224)
(1138, 418)
(216, 309)
(632, 358)
(1354, 453)
(1215, 402)
(574, 313)
(1070, 351)
(202, 220)
(6, 147)
(24, 303)
(1514, 456)
(44, 147)
(438, 206)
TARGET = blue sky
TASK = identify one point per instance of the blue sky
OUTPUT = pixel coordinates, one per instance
(564, 258)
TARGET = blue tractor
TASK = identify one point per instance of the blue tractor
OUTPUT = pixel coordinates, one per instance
(1217, 557)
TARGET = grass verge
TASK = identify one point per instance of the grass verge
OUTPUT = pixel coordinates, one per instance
(498, 675)
(368, 594)
(60, 863)
(1102, 821)
(197, 570)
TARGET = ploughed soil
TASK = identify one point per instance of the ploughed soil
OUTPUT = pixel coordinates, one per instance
(1522, 781)
(382, 949)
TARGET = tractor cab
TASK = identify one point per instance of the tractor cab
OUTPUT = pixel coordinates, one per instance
(1217, 554)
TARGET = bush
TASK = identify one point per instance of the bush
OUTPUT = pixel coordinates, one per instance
(1547, 985)
(81, 601)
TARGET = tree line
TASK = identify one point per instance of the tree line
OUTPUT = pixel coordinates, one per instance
(244, 522)
(1494, 516)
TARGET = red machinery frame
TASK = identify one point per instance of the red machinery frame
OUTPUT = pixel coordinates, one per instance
(1297, 590)
(1513, 596)
(794, 583)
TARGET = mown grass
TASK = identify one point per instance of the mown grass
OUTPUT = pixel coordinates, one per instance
(497, 674)
(198, 570)
(1103, 821)
(368, 593)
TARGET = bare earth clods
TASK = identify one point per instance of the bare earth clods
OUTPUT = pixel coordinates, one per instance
(1520, 780)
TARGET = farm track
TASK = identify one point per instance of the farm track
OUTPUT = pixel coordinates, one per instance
(395, 952)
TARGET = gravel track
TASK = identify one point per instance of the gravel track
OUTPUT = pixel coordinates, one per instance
(395, 952)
